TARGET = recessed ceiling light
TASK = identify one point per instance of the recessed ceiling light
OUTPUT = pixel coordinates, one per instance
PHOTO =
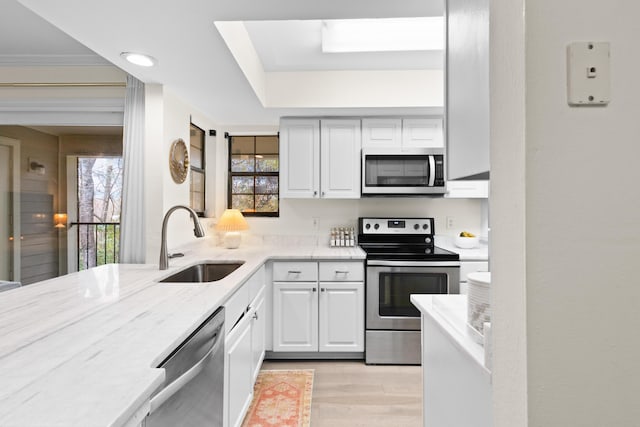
(380, 35)
(139, 59)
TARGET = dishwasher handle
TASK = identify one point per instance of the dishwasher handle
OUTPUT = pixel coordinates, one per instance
(166, 393)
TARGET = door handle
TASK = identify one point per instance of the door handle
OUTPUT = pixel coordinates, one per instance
(314, 289)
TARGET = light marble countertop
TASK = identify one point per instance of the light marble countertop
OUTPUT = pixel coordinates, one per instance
(449, 312)
(481, 253)
(80, 350)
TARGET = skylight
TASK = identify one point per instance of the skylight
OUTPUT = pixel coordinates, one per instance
(383, 35)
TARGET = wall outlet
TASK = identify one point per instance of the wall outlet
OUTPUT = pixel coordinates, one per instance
(450, 222)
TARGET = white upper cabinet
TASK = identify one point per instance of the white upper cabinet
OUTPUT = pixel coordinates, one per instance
(422, 133)
(381, 132)
(467, 103)
(299, 158)
(405, 134)
(320, 158)
(340, 143)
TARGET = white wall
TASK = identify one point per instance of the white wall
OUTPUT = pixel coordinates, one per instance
(507, 201)
(582, 235)
(167, 119)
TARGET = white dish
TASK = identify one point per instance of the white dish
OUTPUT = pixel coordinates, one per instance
(466, 242)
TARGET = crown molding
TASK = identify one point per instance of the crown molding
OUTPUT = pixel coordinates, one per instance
(52, 60)
(63, 112)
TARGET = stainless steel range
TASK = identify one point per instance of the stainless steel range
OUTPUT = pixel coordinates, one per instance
(401, 260)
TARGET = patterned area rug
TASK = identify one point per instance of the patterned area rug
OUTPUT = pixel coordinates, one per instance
(281, 399)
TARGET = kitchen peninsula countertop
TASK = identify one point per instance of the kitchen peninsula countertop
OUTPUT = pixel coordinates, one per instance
(80, 349)
(449, 312)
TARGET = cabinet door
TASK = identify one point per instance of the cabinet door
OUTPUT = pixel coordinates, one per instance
(258, 323)
(299, 158)
(468, 118)
(381, 133)
(295, 316)
(340, 159)
(341, 318)
(422, 133)
(238, 375)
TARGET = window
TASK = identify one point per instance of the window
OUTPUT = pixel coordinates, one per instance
(253, 175)
(196, 156)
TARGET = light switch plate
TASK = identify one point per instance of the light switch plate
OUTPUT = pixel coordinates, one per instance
(588, 73)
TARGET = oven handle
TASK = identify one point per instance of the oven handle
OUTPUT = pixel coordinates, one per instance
(380, 263)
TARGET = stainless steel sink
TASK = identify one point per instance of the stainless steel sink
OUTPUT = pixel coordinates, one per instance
(204, 272)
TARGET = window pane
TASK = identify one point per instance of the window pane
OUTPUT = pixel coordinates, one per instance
(266, 144)
(266, 163)
(196, 137)
(196, 157)
(242, 145)
(242, 185)
(197, 191)
(242, 163)
(267, 203)
(244, 203)
(267, 184)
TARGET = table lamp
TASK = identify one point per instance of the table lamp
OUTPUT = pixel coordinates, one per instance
(232, 222)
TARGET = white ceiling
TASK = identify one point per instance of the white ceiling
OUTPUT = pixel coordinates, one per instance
(194, 61)
(297, 46)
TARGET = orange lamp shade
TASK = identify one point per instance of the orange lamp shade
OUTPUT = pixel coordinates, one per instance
(232, 220)
(60, 220)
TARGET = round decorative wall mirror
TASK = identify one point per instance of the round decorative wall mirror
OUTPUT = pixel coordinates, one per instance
(179, 161)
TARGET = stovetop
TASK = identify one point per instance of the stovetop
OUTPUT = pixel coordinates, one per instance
(404, 253)
(401, 239)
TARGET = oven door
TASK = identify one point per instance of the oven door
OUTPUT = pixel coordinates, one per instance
(390, 284)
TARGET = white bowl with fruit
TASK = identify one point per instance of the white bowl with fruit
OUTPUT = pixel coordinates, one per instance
(466, 240)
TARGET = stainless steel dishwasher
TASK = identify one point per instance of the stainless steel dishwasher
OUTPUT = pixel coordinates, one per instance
(192, 395)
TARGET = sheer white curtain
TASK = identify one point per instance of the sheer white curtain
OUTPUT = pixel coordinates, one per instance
(132, 245)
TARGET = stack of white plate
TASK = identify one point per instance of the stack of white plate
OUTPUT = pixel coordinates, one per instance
(479, 302)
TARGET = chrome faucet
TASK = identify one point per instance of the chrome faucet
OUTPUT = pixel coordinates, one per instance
(198, 231)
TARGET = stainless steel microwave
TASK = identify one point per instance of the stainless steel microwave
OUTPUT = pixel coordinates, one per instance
(391, 172)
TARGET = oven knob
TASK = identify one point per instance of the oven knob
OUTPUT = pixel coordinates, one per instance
(416, 226)
(367, 226)
(425, 226)
(427, 239)
(376, 226)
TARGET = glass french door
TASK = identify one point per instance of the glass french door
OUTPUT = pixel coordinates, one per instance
(94, 202)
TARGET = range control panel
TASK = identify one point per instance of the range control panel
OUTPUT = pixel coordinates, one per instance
(396, 225)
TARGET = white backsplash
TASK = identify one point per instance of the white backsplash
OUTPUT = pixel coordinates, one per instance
(315, 218)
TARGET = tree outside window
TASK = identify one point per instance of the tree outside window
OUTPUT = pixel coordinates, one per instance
(254, 175)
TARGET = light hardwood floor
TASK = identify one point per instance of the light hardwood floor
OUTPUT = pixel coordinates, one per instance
(352, 394)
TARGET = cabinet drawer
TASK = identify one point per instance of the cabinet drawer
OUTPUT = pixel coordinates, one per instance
(255, 283)
(342, 271)
(235, 307)
(467, 267)
(295, 271)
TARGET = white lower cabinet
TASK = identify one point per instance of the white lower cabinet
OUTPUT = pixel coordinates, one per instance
(295, 316)
(341, 316)
(258, 335)
(244, 347)
(325, 315)
(238, 374)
